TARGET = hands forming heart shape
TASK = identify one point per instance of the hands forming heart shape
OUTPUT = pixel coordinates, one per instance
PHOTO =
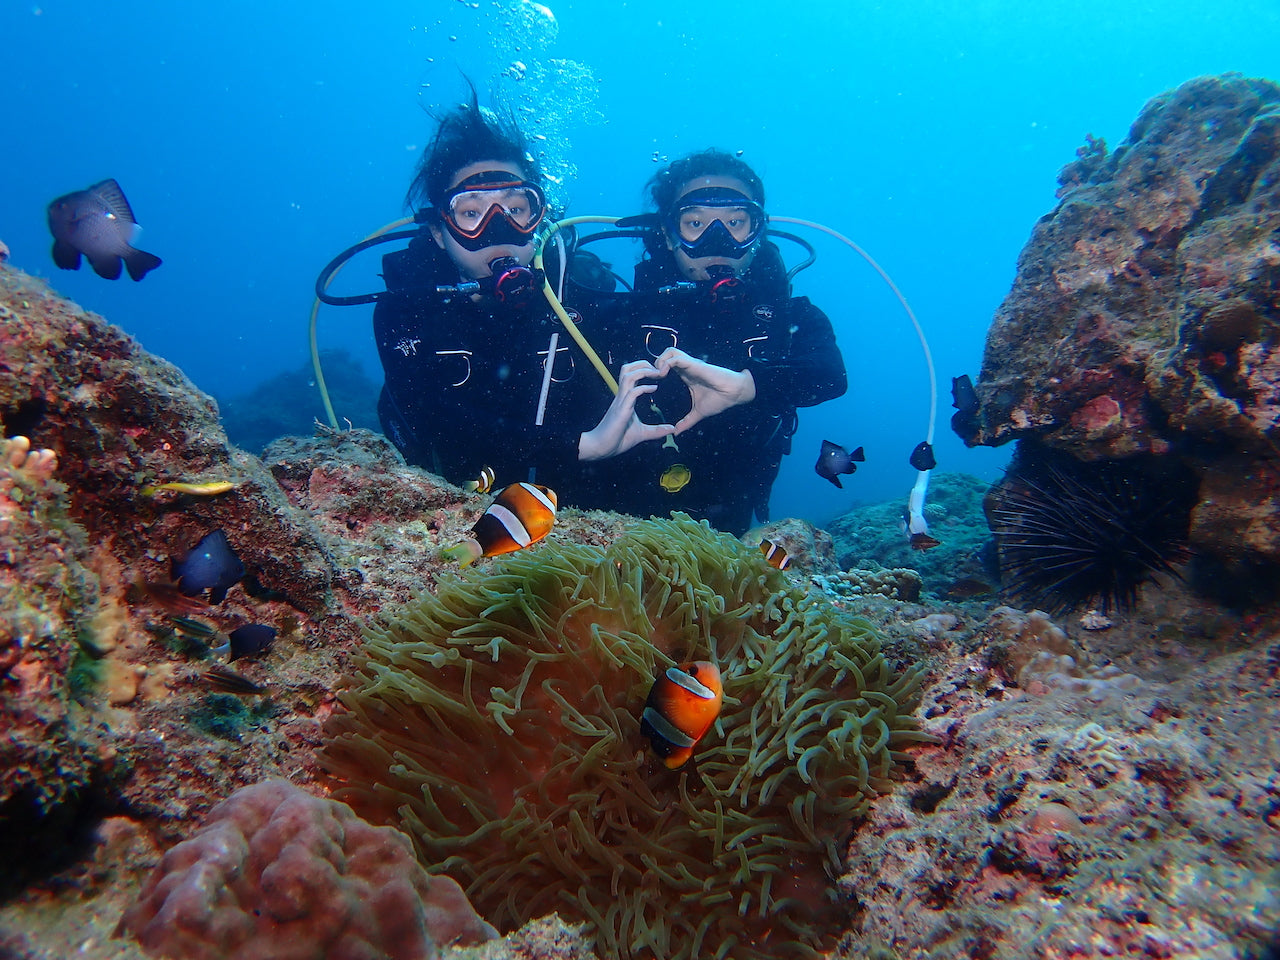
(712, 390)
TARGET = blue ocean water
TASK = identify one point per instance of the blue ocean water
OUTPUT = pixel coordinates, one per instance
(255, 141)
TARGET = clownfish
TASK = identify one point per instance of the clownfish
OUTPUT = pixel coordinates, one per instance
(483, 483)
(775, 554)
(520, 515)
(683, 703)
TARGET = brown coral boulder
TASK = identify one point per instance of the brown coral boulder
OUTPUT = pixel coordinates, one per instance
(120, 419)
(1145, 317)
(276, 872)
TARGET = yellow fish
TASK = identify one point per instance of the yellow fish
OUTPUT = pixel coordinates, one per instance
(210, 489)
(675, 478)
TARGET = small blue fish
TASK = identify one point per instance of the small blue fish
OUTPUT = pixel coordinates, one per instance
(247, 641)
(211, 565)
(835, 459)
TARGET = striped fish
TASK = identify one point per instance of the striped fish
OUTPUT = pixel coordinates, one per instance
(520, 514)
(683, 703)
(483, 483)
(775, 554)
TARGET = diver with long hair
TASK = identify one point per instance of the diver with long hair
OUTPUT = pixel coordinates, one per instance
(478, 371)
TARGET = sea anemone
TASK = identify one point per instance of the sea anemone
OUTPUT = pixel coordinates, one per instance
(1070, 533)
(498, 723)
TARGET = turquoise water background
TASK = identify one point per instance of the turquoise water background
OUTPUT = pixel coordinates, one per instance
(256, 140)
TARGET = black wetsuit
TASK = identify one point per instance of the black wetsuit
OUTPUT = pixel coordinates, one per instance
(464, 379)
(733, 457)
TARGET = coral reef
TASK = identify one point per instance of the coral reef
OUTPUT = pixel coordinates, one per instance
(78, 542)
(899, 583)
(870, 537)
(1102, 787)
(498, 721)
(274, 871)
(1143, 316)
(49, 747)
(1111, 817)
(810, 549)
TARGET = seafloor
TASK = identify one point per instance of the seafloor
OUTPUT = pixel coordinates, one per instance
(1123, 802)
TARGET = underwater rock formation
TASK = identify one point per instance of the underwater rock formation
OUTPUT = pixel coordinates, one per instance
(498, 722)
(1145, 318)
(274, 871)
(288, 404)
(1096, 815)
(47, 597)
(99, 709)
(869, 536)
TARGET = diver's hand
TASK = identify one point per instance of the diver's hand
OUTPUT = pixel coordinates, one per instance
(620, 429)
(713, 389)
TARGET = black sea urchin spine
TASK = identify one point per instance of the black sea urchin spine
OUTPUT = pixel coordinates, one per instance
(1070, 533)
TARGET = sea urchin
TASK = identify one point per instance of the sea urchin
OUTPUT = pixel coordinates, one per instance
(1070, 532)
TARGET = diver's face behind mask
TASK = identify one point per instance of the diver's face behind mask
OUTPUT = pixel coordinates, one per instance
(715, 223)
(490, 212)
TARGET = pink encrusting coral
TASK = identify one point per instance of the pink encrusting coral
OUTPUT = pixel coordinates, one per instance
(276, 872)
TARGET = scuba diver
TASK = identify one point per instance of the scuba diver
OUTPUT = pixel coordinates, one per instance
(733, 353)
(479, 373)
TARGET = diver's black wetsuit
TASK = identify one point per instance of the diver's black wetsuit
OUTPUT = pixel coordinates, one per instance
(463, 380)
(733, 457)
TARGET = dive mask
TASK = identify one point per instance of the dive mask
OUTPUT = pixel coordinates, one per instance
(492, 208)
(716, 222)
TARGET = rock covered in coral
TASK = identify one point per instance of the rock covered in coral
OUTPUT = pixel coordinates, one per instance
(1142, 318)
(898, 583)
(275, 872)
(499, 722)
(871, 536)
(381, 517)
(120, 419)
(48, 597)
(809, 549)
(1099, 816)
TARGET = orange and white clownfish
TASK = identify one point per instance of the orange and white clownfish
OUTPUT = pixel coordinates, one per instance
(775, 554)
(683, 703)
(483, 483)
(521, 514)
